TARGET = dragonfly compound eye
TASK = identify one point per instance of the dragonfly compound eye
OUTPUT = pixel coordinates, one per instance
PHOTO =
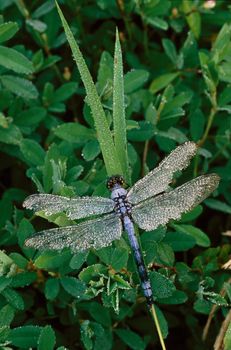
(114, 180)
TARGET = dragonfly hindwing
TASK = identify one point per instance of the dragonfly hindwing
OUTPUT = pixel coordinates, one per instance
(160, 209)
(95, 233)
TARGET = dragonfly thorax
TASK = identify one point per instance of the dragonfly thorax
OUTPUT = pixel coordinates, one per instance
(118, 193)
(122, 206)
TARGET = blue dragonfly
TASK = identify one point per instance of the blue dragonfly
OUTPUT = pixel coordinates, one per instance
(149, 203)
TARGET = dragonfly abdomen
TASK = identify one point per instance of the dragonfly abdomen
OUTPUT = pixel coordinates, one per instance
(145, 282)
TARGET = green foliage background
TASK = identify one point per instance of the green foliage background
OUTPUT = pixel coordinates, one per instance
(177, 65)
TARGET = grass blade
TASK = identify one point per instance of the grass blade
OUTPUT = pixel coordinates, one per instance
(105, 139)
(119, 111)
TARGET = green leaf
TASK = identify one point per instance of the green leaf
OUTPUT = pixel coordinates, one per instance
(184, 273)
(209, 72)
(25, 337)
(64, 92)
(177, 101)
(50, 62)
(43, 9)
(216, 298)
(192, 17)
(30, 117)
(164, 254)
(130, 338)
(6, 209)
(10, 135)
(23, 279)
(224, 73)
(91, 150)
(13, 298)
(52, 155)
(4, 336)
(36, 24)
(78, 260)
(135, 79)
(227, 338)
(92, 271)
(19, 86)
(25, 229)
(225, 97)
(197, 124)
(74, 132)
(18, 259)
(46, 339)
(94, 336)
(218, 205)
(6, 262)
(144, 133)
(202, 306)
(6, 315)
(14, 60)
(117, 282)
(221, 43)
(201, 238)
(7, 30)
(104, 136)
(52, 260)
(119, 120)
(73, 286)
(153, 247)
(162, 287)
(100, 314)
(170, 50)
(178, 297)
(179, 241)
(52, 288)
(116, 257)
(151, 114)
(4, 281)
(192, 215)
(162, 81)
(157, 22)
(32, 151)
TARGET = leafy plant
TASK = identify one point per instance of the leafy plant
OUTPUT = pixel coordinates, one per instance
(176, 88)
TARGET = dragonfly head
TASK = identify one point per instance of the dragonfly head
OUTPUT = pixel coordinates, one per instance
(115, 180)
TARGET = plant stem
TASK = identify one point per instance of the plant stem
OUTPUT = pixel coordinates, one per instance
(146, 146)
(208, 126)
(126, 19)
(210, 118)
(154, 315)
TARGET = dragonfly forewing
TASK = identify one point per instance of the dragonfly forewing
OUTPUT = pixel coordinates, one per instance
(157, 180)
(75, 208)
(95, 233)
(170, 205)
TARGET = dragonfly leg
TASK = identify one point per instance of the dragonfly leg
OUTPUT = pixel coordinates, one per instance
(145, 281)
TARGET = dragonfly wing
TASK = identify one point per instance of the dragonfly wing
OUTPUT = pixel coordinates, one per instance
(75, 208)
(170, 205)
(157, 180)
(95, 233)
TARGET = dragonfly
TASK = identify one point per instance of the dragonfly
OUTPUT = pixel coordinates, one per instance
(149, 203)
